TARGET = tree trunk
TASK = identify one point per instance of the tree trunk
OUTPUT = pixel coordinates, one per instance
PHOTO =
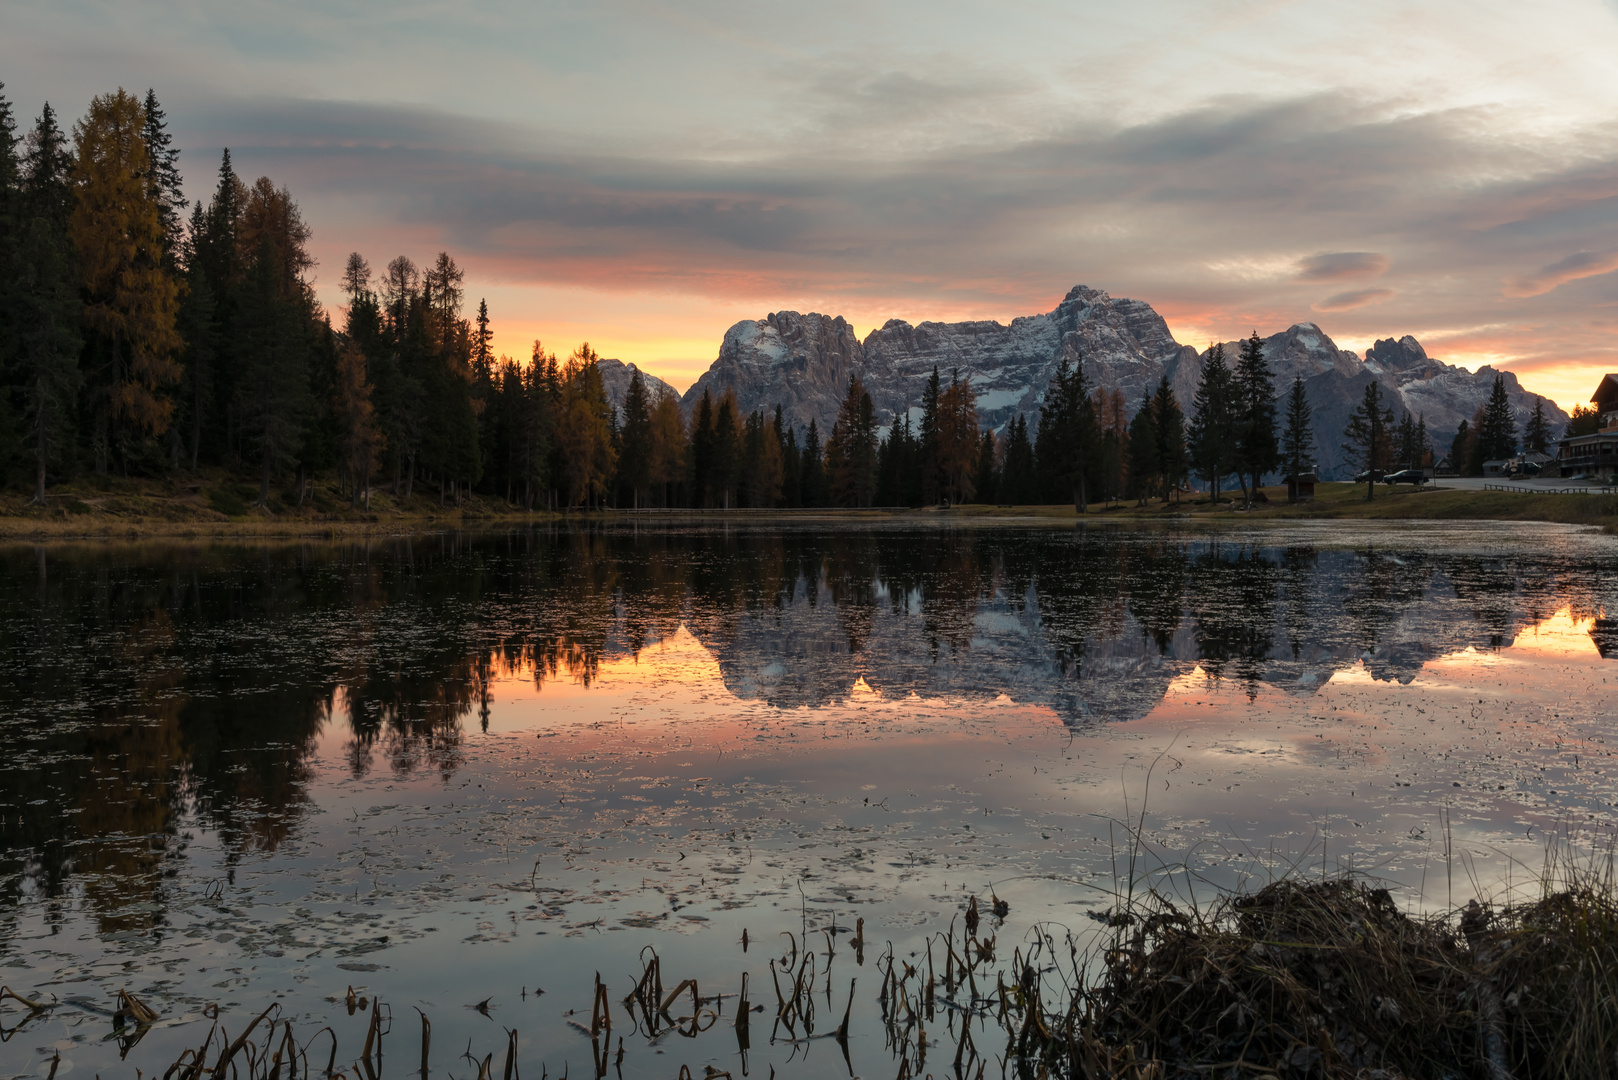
(39, 450)
(264, 483)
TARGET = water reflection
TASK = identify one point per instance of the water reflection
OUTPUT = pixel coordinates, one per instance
(154, 689)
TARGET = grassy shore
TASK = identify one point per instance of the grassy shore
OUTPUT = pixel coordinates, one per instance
(216, 504)
(1346, 500)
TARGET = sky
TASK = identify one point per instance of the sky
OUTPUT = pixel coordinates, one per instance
(642, 175)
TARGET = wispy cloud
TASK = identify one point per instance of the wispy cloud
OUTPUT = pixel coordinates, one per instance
(1581, 264)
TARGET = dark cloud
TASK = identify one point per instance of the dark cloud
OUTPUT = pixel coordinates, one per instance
(1225, 217)
(1348, 301)
(1342, 266)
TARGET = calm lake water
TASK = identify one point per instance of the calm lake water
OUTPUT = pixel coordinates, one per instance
(467, 768)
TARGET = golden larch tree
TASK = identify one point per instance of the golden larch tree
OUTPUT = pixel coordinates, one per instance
(131, 300)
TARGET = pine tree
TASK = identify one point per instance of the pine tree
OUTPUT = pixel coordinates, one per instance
(1017, 476)
(272, 391)
(726, 448)
(812, 486)
(635, 441)
(10, 234)
(1257, 447)
(164, 185)
(1142, 452)
(927, 437)
(359, 437)
(1460, 448)
(1212, 438)
(1064, 446)
(584, 429)
(1537, 435)
(851, 452)
(1367, 440)
(985, 477)
(1584, 421)
(1168, 424)
(702, 449)
(1497, 436)
(1298, 439)
(44, 308)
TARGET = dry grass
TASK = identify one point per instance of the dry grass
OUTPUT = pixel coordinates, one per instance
(1332, 979)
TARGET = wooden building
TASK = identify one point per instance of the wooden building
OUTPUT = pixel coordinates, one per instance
(1595, 454)
(1301, 488)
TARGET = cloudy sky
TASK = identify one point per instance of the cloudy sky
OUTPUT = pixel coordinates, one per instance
(643, 174)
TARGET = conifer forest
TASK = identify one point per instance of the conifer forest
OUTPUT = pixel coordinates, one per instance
(149, 336)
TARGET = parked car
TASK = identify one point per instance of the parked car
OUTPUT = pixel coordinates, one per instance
(1369, 475)
(1406, 476)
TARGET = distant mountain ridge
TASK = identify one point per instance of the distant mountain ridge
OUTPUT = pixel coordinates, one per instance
(804, 361)
(615, 378)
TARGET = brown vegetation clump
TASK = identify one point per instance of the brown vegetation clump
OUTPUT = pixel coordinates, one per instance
(1331, 979)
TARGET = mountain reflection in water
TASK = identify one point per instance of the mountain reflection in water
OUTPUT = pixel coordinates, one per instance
(146, 685)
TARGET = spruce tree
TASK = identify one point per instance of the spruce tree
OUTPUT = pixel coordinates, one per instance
(1460, 447)
(44, 313)
(1168, 424)
(1537, 435)
(1257, 446)
(1211, 437)
(927, 449)
(1498, 434)
(1017, 477)
(1064, 446)
(1142, 452)
(1298, 439)
(164, 184)
(986, 479)
(702, 449)
(1367, 439)
(635, 455)
(812, 485)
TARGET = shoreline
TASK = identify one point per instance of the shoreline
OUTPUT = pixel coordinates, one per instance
(140, 512)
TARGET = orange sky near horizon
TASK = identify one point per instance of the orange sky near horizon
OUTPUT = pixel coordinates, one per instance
(676, 337)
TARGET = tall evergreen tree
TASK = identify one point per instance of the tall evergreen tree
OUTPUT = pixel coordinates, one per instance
(812, 485)
(1257, 446)
(1064, 446)
(1298, 438)
(44, 313)
(986, 478)
(1017, 475)
(273, 398)
(1212, 435)
(1368, 442)
(635, 454)
(1144, 468)
(1168, 423)
(927, 438)
(164, 185)
(851, 452)
(1497, 435)
(1537, 433)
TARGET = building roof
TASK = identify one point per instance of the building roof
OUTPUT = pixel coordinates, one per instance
(1606, 395)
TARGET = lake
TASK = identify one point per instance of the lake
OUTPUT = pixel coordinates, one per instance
(465, 770)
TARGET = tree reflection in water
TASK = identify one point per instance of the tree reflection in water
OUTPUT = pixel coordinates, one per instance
(152, 689)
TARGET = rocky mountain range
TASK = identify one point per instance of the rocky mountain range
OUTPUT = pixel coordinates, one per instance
(803, 362)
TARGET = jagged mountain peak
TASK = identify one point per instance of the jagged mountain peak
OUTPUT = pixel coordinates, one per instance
(803, 361)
